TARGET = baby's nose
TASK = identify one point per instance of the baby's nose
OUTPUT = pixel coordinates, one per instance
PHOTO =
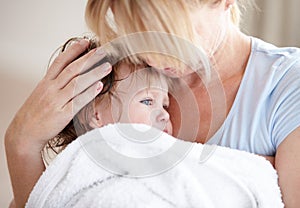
(163, 115)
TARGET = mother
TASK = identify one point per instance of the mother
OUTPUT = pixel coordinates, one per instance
(256, 83)
(257, 108)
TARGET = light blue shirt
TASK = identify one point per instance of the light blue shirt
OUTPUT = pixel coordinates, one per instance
(267, 105)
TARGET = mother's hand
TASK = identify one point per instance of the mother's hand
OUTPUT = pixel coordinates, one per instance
(63, 91)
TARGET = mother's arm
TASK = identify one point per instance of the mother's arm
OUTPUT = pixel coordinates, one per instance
(51, 106)
(287, 163)
(271, 159)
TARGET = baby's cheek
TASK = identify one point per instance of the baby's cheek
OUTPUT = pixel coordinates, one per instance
(138, 114)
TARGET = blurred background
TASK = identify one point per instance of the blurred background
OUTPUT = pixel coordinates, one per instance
(31, 30)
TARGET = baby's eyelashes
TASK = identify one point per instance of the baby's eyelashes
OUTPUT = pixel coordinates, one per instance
(166, 103)
(153, 102)
(166, 106)
(147, 101)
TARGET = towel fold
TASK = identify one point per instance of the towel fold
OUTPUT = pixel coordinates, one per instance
(125, 165)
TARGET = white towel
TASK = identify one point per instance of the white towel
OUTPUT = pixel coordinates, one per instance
(126, 165)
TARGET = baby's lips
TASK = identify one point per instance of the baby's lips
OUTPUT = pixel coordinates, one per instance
(166, 131)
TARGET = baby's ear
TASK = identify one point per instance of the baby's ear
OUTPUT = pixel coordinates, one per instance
(95, 121)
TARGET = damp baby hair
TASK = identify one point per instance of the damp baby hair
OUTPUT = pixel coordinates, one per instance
(113, 92)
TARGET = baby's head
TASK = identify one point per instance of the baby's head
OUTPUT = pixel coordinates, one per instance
(131, 94)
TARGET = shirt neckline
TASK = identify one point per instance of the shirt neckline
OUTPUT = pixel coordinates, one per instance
(215, 139)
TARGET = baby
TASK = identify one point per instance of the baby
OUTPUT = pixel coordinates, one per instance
(131, 94)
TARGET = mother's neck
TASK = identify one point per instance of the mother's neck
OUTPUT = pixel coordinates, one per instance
(232, 57)
(229, 61)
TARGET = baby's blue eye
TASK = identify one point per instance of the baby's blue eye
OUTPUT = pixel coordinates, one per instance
(147, 102)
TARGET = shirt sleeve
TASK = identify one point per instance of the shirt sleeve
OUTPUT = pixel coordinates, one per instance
(286, 102)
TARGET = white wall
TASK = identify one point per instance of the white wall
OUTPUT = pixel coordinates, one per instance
(30, 32)
(277, 22)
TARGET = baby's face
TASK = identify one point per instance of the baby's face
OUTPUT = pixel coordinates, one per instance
(141, 101)
(149, 106)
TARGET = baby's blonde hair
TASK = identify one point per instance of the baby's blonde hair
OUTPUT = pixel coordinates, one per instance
(165, 25)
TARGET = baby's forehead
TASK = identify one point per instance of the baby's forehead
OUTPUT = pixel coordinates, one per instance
(125, 70)
(141, 77)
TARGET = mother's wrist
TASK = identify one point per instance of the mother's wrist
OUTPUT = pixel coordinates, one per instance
(20, 143)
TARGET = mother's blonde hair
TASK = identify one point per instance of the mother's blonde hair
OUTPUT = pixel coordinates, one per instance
(110, 19)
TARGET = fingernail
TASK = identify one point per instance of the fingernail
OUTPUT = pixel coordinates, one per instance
(106, 66)
(100, 51)
(99, 86)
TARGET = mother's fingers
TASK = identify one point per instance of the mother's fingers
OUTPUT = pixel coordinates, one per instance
(78, 102)
(79, 66)
(82, 82)
(65, 58)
